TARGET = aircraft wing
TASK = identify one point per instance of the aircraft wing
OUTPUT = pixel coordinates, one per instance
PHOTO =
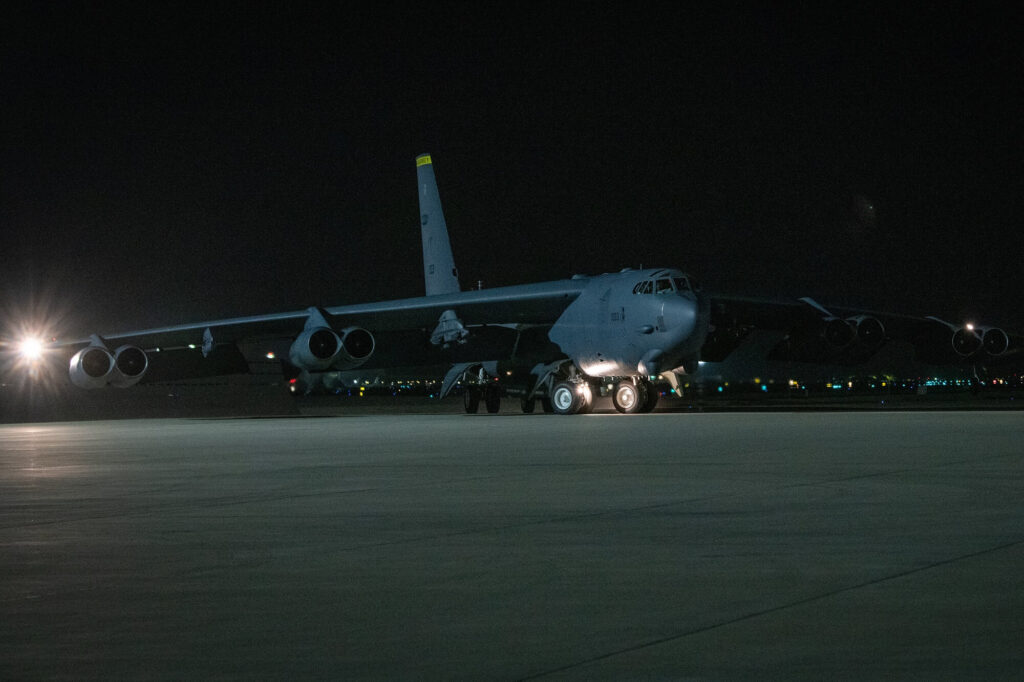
(526, 304)
(824, 333)
(399, 334)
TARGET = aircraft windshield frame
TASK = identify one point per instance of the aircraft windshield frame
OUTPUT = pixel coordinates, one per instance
(666, 285)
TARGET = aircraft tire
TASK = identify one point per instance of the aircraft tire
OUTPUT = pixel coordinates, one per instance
(586, 400)
(528, 405)
(492, 399)
(471, 399)
(565, 399)
(546, 406)
(629, 398)
(652, 397)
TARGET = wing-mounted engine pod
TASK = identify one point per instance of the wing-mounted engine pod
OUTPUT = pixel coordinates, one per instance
(321, 348)
(966, 341)
(866, 332)
(130, 363)
(315, 349)
(357, 346)
(839, 333)
(91, 367)
(870, 332)
(994, 340)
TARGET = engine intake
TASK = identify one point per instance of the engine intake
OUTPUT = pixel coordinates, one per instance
(937, 341)
(358, 344)
(870, 333)
(130, 363)
(865, 333)
(321, 348)
(839, 333)
(994, 340)
(837, 340)
(96, 367)
(315, 349)
(966, 342)
(91, 367)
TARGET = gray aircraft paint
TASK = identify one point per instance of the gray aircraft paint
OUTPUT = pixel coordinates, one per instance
(606, 325)
(597, 322)
(439, 273)
(610, 331)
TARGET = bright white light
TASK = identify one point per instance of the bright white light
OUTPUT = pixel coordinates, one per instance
(270, 355)
(970, 327)
(31, 349)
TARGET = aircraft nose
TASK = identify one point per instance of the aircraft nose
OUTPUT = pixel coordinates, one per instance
(679, 314)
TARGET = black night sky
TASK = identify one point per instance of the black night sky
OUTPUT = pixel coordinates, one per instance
(178, 163)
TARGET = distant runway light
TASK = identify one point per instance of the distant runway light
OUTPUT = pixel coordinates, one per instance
(270, 355)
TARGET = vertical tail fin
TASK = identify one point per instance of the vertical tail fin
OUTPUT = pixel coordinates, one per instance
(439, 273)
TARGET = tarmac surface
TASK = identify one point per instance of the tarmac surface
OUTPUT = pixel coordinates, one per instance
(665, 546)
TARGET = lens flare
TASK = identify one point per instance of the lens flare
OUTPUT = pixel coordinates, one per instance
(30, 349)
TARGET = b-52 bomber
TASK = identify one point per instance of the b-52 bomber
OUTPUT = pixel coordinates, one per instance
(557, 343)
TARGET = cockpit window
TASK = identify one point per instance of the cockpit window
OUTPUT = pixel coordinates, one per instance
(645, 287)
(663, 286)
(682, 284)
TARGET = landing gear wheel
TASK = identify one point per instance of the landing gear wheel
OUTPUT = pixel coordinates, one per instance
(586, 399)
(545, 404)
(528, 404)
(492, 399)
(565, 399)
(652, 397)
(471, 399)
(629, 398)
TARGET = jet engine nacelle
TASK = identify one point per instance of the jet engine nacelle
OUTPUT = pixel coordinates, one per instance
(994, 340)
(130, 363)
(96, 367)
(938, 341)
(91, 367)
(969, 340)
(321, 348)
(966, 342)
(866, 331)
(836, 340)
(870, 333)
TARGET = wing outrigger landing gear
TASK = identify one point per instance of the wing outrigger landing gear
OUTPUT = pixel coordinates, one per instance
(490, 394)
(471, 399)
(479, 386)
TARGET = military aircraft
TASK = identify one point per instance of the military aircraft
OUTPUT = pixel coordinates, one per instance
(559, 343)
